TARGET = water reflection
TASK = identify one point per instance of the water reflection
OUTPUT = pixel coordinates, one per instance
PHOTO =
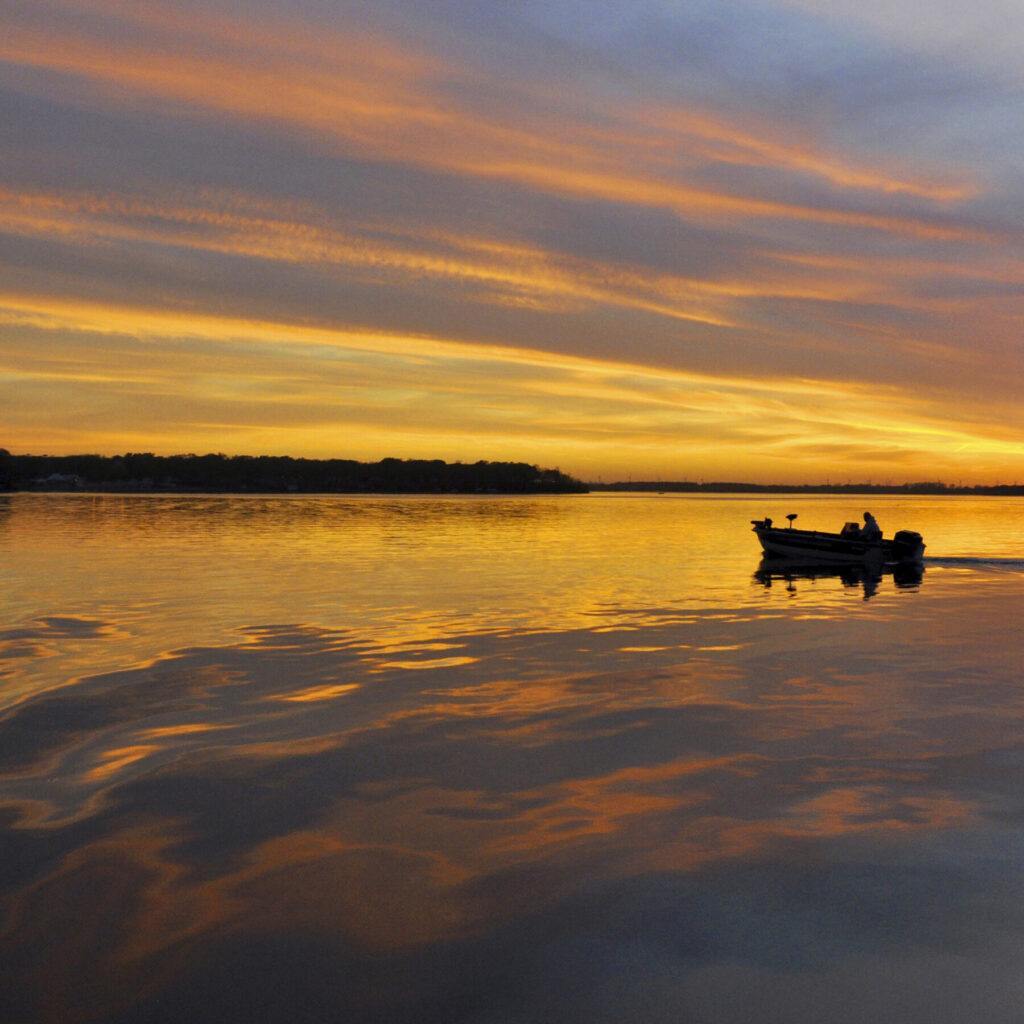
(704, 815)
(656, 804)
(789, 572)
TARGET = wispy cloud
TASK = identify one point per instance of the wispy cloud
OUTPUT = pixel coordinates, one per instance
(661, 263)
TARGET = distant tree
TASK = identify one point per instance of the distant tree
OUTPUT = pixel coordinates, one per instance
(7, 470)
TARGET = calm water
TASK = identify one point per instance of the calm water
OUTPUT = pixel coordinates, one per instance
(480, 760)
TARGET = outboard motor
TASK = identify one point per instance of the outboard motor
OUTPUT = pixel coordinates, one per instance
(907, 544)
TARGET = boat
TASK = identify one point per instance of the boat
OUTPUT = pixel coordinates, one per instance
(835, 548)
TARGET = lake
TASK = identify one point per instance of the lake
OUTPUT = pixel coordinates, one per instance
(470, 760)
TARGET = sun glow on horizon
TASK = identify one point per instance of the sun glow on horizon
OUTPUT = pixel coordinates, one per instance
(322, 392)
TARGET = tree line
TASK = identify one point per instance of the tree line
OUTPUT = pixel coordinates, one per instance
(272, 474)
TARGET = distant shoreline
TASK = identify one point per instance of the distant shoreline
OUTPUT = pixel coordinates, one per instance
(687, 487)
(145, 473)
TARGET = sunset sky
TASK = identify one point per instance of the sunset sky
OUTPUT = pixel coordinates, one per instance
(764, 240)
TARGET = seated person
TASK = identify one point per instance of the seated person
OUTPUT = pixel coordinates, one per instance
(870, 530)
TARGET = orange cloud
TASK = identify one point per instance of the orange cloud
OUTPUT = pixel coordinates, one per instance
(370, 96)
(725, 142)
(289, 232)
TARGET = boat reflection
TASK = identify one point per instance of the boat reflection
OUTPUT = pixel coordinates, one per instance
(788, 571)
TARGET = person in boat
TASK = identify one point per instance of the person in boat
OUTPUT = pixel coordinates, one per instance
(870, 530)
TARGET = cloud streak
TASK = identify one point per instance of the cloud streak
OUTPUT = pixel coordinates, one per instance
(440, 206)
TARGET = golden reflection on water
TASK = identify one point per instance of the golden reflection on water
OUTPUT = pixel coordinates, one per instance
(167, 571)
(561, 724)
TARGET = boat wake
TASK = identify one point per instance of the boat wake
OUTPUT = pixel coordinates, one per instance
(976, 562)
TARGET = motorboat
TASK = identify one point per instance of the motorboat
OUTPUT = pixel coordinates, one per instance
(831, 548)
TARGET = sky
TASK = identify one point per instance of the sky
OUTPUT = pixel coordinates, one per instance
(758, 240)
